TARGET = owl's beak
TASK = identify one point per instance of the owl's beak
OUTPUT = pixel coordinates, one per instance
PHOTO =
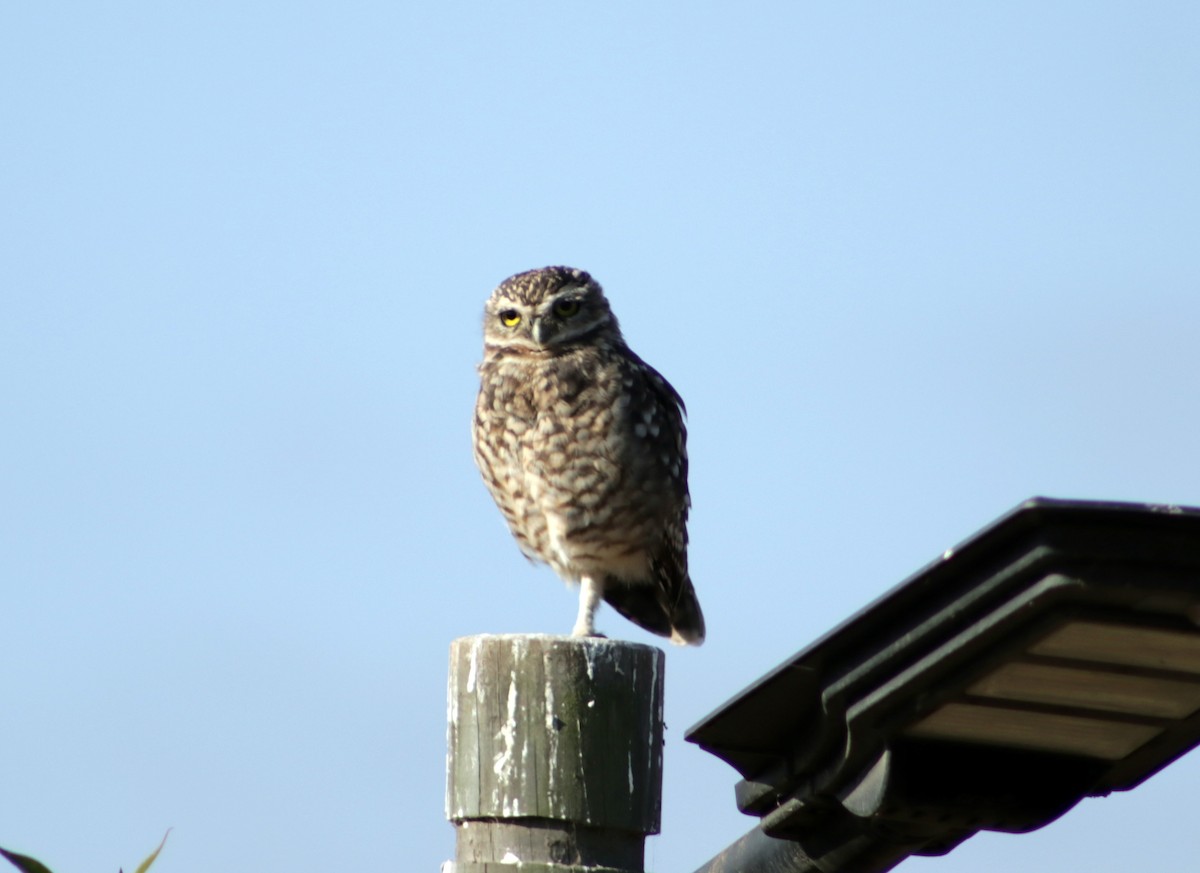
(541, 332)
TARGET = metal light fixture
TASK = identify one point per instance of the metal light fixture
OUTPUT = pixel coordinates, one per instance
(1054, 655)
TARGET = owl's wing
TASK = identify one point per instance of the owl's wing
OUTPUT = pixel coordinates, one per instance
(665, 604)
(651, 391)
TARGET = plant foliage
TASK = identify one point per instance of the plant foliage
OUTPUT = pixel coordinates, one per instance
(31, 865)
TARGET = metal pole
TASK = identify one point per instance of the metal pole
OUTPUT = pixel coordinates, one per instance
(840, 847)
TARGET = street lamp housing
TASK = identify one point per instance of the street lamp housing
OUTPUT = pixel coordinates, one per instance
(1054, 655)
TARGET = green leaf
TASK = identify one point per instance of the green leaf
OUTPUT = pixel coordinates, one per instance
(145, 865)
(24, 863)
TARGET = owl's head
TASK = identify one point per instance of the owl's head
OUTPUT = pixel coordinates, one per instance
(548, 310)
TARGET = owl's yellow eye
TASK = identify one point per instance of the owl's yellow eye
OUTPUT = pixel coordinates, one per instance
(566, 308)
(510, 318)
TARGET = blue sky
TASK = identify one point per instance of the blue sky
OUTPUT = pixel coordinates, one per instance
(908, 264)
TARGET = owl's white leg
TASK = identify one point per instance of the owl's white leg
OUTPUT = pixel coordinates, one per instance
(590, 592)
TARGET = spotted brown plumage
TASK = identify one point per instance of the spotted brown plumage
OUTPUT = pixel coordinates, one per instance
(582, 445)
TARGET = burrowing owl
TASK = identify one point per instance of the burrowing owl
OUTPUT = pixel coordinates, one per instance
(582, 445)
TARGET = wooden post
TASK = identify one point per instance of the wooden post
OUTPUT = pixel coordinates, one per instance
(555, 754)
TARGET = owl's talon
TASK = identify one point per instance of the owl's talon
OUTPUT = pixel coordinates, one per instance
(586, 633)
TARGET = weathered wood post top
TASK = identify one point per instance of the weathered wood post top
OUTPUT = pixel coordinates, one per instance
(555, 753)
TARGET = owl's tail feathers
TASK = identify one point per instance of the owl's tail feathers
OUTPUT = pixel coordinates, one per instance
(687, 621)
(675, 614)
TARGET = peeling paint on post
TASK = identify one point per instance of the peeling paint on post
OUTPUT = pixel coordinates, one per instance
(555, 754)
